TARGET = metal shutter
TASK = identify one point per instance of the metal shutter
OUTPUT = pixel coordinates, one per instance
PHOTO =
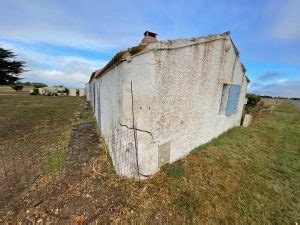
(233, 99)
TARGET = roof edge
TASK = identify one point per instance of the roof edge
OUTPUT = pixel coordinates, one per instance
(140, 49)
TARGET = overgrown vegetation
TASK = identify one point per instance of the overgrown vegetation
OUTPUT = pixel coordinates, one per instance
(253, 99)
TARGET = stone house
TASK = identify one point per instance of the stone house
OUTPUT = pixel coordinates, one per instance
(72, 92)
(185, 92)
(76, 92)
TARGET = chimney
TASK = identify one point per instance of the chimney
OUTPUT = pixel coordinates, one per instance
(149, 37)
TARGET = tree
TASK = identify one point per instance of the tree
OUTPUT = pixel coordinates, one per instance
(17, 87)
(10, 68)
(253, 99)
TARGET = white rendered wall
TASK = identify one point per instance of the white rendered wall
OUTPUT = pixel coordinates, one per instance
(177, 96)
(189, 84)
(113, 106)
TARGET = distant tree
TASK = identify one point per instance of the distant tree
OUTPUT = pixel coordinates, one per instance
(39, 85)
(253, 99)
(17, 87)
(35, 91)
(265, 96)
(27, 83)
(10, 68)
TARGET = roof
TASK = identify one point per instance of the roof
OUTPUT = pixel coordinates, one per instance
(160, 45)
(119, 57)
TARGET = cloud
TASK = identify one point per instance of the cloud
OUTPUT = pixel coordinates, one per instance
(264, 31)
(95, 25)
(283, 88)
(271, 75)
(286, 20)
(69, 71)
(54, 69)
(54, 77)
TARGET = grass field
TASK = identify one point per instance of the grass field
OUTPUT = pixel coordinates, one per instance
(245, 175)
(34, 122)
(31, 126)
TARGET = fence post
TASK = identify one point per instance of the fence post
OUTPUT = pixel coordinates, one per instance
(134, 134)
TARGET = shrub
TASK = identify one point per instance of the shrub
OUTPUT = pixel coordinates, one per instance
(253, 99)
(35, 91)
(77, 92)
(17, 87)
(39, 85)
(66, 90)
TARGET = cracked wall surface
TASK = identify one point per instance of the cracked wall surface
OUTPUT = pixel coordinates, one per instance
(177, 88)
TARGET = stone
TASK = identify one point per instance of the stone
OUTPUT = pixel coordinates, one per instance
(247, 120)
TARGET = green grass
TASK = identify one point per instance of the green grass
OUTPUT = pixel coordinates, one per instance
(249, 175)
(176, 171)
(36, 125)
(55, 162)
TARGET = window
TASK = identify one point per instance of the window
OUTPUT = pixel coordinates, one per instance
(224, 98)
(229, 99)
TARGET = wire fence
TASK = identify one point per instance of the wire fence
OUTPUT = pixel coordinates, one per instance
(19, 166)
(123, 152)
(23, 167)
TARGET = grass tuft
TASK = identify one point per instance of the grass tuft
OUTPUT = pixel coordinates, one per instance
(175, 170)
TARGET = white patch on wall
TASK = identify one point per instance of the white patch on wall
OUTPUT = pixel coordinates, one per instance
(164, 154)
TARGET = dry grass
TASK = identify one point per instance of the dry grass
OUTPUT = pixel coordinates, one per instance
(246, 175)
(34, 122)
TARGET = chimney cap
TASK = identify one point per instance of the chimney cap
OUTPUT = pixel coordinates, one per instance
(149, 33)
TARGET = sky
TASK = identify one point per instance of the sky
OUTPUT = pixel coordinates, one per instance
(63, 42)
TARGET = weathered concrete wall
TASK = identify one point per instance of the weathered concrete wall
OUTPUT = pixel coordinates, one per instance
(189, 83)
(88, 92)
(112, 107)
(177, 92)
(141, 72)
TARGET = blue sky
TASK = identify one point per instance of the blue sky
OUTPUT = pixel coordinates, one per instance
(64, 41)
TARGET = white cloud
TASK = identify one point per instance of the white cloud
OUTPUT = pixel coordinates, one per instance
(282, 81)
(52, 69)
(283, 88)
(69, 71)
(75, 24)
(55, 77)
(286, 20)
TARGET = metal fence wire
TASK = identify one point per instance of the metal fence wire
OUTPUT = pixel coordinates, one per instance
(17, 165)
(123, 153)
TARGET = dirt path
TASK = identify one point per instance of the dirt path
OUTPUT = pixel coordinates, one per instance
(76, 193)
